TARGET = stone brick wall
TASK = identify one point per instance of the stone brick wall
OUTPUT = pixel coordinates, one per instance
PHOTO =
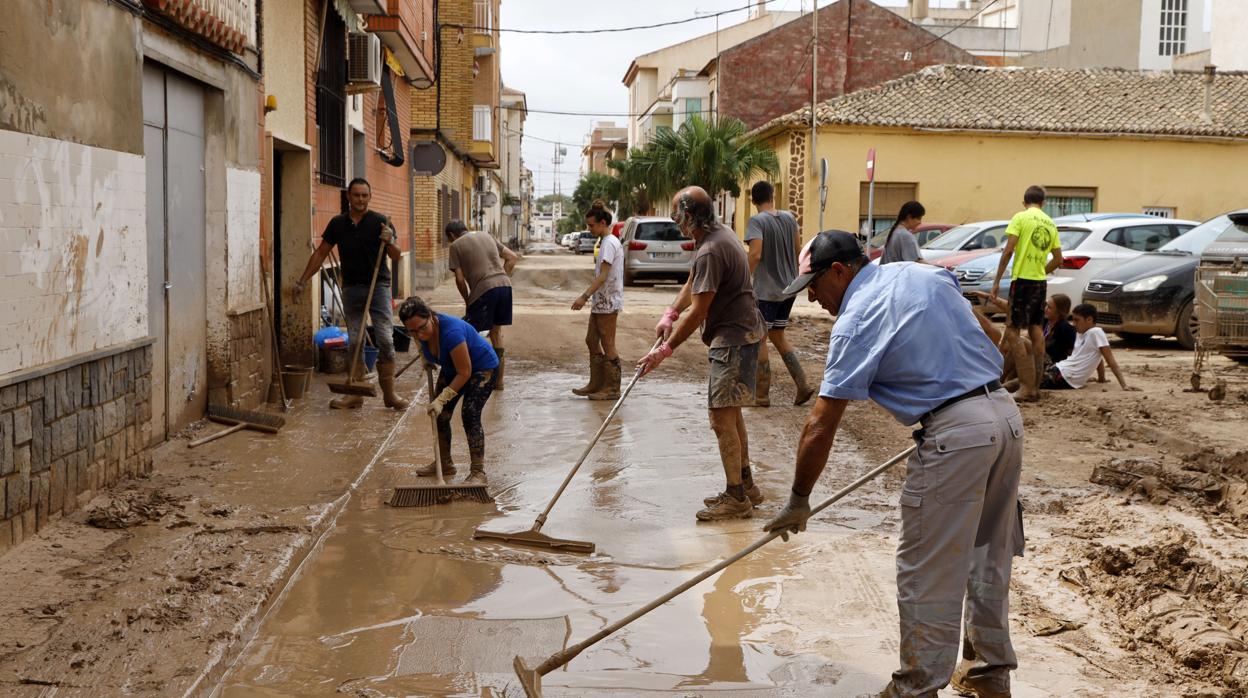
(249, 362)
(753, 75)
(69, 431)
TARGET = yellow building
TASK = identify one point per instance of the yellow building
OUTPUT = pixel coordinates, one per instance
(967, 141)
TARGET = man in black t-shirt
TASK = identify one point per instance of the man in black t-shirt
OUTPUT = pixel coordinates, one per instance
(358, 234)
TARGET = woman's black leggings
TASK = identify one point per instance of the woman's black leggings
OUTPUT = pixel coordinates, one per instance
(473, 397)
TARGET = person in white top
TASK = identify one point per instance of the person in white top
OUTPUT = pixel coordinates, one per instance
(1091, 348)
(607, 295)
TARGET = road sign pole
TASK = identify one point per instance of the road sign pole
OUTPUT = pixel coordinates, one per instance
(870, 198)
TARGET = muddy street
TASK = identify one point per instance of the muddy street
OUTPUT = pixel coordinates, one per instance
(271, 566)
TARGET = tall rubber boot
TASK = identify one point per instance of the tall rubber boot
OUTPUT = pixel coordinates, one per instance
(804, 391)
(385, 379)
(762, 385)
(596, 362)
(448, 468)
(498, 372)
(609, 389)
(350, 402)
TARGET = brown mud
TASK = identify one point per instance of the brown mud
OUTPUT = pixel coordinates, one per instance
(271, 565)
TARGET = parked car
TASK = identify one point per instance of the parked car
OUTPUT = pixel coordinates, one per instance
(1090, 217)
(569, 240)
(984, 235)
(585, 242)
(925, 233)
(654, 247)
(1107, 243)
(617, 227)
(1154, 294)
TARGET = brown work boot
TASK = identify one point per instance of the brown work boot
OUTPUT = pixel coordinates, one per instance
(385, 379)
(752, 493)
(609, 388)
(762, 385)
(804, 391)
(498, 372)
(350, 402)
(476, 476)
(727, 507)
(595, 376)
(978, 686)
(431, 470)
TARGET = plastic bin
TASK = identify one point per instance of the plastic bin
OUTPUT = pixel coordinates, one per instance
(295, 380)
(370, 359)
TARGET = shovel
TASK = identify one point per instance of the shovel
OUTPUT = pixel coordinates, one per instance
(350, 387)
(534, 535)
(531, 678)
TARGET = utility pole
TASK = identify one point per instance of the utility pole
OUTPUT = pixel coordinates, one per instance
(814, 91)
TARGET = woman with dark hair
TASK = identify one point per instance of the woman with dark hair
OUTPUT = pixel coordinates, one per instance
(607, 294)
(468, 365)
(904, 247)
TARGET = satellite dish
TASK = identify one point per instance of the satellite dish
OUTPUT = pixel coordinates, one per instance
(428, 158)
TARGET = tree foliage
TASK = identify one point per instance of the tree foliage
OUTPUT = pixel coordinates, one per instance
(715, 156)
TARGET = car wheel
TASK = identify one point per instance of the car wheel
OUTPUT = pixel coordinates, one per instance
(1135, 338)
(1187, 327)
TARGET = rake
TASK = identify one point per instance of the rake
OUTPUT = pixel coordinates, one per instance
(531, 678)
(534, 536)
(441, 493)
(238, 421)
(350, 387)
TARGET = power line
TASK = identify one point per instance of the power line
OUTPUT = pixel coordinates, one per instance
(963, 23)
(610, 30)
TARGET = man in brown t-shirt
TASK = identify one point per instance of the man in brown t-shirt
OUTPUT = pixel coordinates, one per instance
(722, 300)
(483, 269)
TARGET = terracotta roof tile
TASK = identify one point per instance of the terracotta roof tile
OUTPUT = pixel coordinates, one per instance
(1102, 100)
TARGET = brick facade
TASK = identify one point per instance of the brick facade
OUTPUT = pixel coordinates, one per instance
(753, 75)
(68, 431)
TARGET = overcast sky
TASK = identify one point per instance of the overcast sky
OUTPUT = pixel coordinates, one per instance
(585, 72)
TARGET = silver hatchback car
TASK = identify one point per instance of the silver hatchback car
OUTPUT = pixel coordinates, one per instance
(655, 248)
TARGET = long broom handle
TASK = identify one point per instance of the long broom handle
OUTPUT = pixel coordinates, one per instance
(541, 518)
(337, 283)
(433, 421)
(560, 658)
(368, 304)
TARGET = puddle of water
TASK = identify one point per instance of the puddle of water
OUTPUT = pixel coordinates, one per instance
(403, 600)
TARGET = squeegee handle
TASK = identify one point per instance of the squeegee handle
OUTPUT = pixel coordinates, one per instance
(541, 518)
(433, 421)
(560, 658)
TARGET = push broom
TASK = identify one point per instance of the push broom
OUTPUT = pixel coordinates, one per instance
(534, 536)
(531, 678)
(350, 387)
(441, 493)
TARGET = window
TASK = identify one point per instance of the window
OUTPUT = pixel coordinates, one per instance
(693, 106)
(889, 196)
(1142, 238)
(331, 103)
(660, 232)
(1173, 31)
(1159, 211)
(358, 151)
(1064, 201)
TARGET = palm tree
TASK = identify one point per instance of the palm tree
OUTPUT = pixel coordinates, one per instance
(715, 156)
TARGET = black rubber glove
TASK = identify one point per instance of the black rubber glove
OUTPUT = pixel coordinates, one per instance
(792, 518)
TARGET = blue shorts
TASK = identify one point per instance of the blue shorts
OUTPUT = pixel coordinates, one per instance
(776, 313)
(492, 308)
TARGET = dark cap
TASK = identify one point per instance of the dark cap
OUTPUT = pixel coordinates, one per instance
(822, 252)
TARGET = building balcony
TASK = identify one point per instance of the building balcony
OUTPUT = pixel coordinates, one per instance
(483, 19)
(405, 27)
(482, 149)
(230, 24)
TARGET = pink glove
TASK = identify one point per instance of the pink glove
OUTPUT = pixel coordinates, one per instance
(651, 361)
(664, 328)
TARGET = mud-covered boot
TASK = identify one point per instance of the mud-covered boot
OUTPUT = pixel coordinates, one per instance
(762, 385)
(965, 684)
(609, 389)
(595, 376)
(727, 507)
(476, 475)
(350, 402)
(804, 391)
(448, 468)
(752, 492)
(385, 379)
(498, 372)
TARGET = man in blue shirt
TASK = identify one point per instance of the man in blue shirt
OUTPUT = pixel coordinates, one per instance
(905, 338)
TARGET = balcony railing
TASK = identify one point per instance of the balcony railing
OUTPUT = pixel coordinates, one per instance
(227, 23)
(484, 21)
(481, 130)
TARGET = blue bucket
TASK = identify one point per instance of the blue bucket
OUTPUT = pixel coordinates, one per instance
(370, 359)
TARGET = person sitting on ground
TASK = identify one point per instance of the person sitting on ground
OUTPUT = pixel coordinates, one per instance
(1059, 335)
(1091, 347)
(468, 370)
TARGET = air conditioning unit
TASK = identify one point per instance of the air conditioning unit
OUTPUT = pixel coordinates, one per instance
(480, 182)
(363, 62)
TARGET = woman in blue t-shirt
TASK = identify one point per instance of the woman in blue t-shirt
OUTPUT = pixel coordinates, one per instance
(468, 365)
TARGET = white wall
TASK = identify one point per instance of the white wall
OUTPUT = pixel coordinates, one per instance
(697, 88)
(242, 239)
(73, 249)
(1229, 51)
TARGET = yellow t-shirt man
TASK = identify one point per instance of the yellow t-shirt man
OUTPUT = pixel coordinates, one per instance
(1037, 237)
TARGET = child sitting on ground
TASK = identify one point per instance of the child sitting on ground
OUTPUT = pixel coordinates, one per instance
(1091, 347)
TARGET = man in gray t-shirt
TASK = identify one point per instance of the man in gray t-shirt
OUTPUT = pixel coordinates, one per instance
(774, 239)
